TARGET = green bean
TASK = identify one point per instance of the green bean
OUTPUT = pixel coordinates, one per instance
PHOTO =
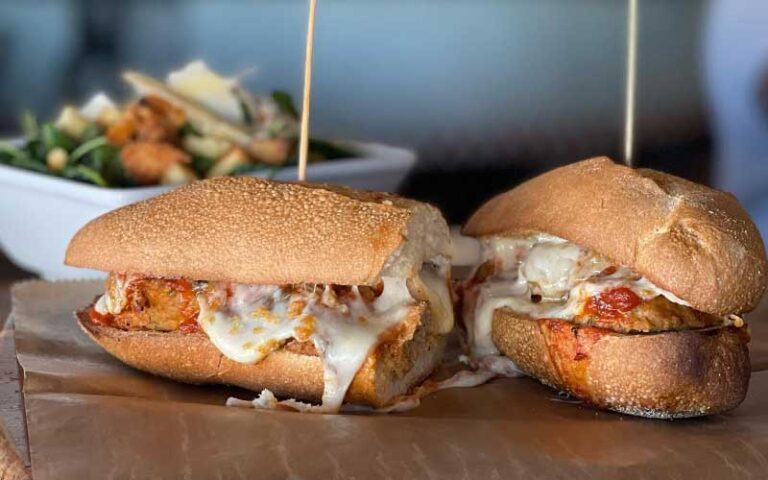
(87, 147)
(53, 137)
(93, 130)
(81, 172)
(29, 164)
(11, 150)
(29, 126)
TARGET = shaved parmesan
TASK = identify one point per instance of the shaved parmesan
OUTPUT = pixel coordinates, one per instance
(199, 83)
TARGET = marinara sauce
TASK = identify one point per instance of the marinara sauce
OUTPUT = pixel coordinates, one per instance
(613, 303)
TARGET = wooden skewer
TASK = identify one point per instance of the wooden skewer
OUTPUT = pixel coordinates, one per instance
(631, 78)
(304, 134)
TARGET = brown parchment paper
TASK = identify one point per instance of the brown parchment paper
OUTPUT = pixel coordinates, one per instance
(89, 416)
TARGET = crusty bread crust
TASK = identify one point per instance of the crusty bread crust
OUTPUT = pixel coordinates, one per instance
(691, 240)
(408, 356)
(665, 375)
(250, 230)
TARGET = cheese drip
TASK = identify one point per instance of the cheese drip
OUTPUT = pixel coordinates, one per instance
(259, 319)
(561, 276)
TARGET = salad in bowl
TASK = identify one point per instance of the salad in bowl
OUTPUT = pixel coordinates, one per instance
(195, 124)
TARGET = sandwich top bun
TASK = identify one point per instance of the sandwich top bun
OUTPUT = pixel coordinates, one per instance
(691, 240)
(250, 230)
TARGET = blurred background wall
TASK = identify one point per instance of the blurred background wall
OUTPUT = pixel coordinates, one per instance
(488, 91)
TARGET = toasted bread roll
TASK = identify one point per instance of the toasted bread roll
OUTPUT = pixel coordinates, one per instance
(663, 375)
(320, 293)
(620, 286)
(249, 230)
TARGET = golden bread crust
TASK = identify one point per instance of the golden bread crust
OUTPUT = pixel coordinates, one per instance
(250, 230)
(663, 375)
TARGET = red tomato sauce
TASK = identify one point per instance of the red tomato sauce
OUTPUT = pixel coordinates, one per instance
(613, 303)
(100, 318)
(189, 326)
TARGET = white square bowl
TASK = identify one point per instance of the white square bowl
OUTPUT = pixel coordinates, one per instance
(39, 213)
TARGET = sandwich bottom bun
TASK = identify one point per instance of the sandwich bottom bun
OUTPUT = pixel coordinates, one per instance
(401, 362)
(674, 374)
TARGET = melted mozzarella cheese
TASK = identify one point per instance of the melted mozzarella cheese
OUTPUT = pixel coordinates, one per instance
(461, 379)
(345, 342)
(115, 299)
(258, 320)
(248, 331)
(548, 267)
(561, 273)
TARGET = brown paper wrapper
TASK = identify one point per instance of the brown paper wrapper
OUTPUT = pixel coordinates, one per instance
(89, 416)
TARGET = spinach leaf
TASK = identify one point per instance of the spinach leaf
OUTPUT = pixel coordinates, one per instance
(36, 150)
(189, 129)
(201, 164)
(106, 159)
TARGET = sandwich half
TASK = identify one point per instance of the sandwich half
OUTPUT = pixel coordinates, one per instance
(622, 287)
(318, 293)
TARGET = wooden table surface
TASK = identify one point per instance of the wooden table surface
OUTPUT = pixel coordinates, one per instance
(14, 458)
